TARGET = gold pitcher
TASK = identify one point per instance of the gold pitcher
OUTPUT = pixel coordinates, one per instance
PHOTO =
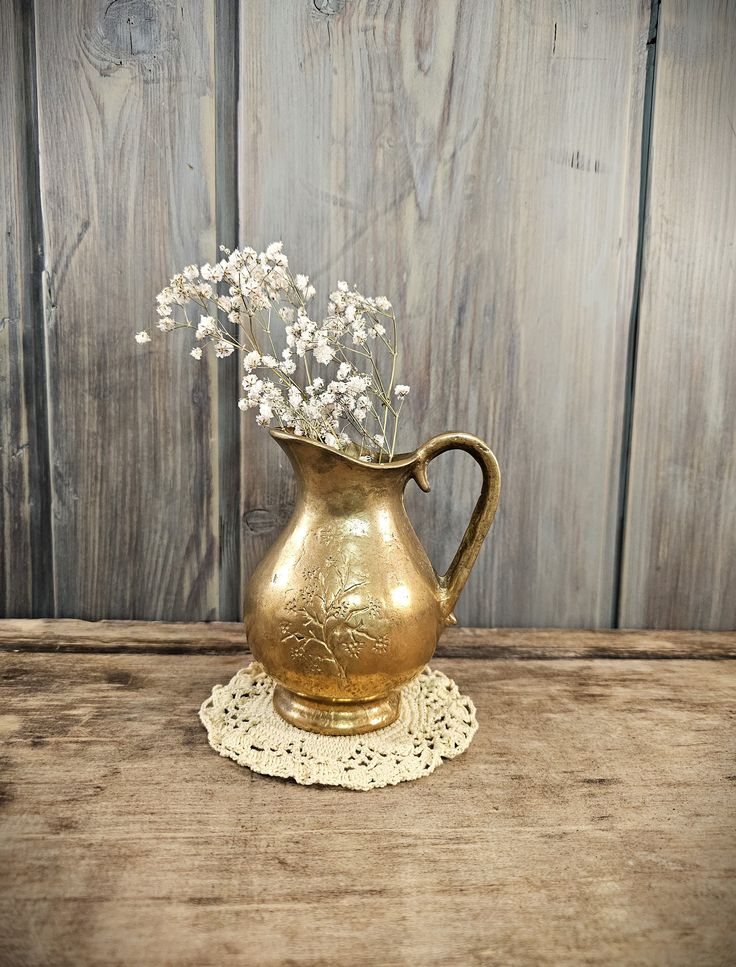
(346, 607)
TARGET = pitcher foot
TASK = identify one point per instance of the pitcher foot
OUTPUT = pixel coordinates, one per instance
(336, 718)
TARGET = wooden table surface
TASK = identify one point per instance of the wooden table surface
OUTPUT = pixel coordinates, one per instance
(591, 821)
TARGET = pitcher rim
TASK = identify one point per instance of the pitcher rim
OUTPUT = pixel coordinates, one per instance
(403, 461)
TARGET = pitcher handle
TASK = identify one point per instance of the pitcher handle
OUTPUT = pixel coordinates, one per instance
(452, 583)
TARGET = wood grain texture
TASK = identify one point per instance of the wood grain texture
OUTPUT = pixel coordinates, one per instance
(403, 147)
(228, 377)
(25, 547)
(223, 638)
(590, 822)
(679, 565)
(127, 133)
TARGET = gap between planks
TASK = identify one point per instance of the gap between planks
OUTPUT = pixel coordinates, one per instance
(224, 637)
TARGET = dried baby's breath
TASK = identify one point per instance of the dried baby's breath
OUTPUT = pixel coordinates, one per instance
(249, 301)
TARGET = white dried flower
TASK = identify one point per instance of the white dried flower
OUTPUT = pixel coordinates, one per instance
(207, 327)
(357, 384)
(227, 303)
(324, 353)
(223, 349)
(260, 291)
(142, 337)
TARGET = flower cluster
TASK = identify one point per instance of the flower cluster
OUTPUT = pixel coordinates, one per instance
(319, 379)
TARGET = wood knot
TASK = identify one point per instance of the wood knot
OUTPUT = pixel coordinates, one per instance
(329, 7)
(136, 28)
(260, 521)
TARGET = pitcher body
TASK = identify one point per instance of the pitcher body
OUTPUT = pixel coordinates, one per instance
(345, 607)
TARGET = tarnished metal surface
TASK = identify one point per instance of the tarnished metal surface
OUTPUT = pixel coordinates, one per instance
(346, 606)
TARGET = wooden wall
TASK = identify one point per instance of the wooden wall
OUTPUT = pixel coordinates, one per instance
(547, 193)
(679, 564)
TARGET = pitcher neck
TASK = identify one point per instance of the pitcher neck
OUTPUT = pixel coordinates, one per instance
(342, 483)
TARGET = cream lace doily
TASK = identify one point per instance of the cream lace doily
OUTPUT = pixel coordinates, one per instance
(436, 722)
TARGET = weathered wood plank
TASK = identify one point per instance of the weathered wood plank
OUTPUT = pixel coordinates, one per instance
(127, 135)
(220, 637)
(497, 208)
(228, 377)
(679, 565)
(591, 821)
(25, 526)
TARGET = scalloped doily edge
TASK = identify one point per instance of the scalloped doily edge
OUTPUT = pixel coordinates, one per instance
(291, 753)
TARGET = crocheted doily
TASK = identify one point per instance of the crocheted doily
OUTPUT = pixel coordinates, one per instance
(436, 722)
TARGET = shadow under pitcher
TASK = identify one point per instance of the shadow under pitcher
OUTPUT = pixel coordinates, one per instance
(345, 607)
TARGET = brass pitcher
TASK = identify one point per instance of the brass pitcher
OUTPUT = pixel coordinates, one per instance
(346, 607)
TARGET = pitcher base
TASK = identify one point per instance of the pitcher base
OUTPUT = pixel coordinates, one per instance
(336, 718)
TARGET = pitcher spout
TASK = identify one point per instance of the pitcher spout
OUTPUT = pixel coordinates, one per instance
(336, 476)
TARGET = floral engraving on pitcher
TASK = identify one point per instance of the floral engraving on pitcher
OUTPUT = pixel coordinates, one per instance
(328, 629)
(326, 534)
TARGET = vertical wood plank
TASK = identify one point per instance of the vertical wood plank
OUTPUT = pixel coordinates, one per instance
(477, 163)
(679, 565)
(228, 375)
(127, 134)
(25, 546)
